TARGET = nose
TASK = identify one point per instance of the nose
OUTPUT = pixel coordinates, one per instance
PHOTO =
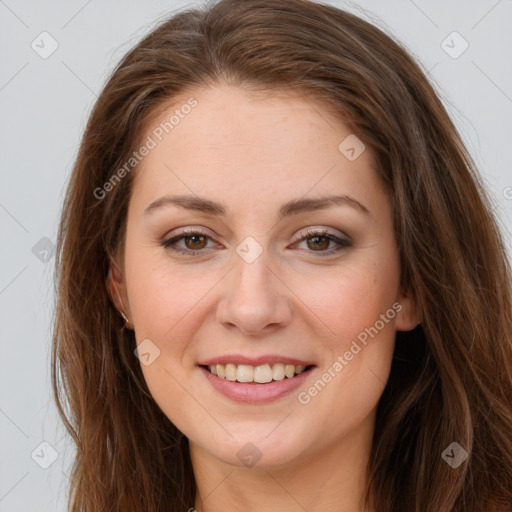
(255, 300)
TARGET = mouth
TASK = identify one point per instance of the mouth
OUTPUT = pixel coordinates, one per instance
(265, 380)
(260, 374)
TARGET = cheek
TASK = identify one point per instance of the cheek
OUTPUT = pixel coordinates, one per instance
(167, 306)
(164, 301)
(351, 298)
(357, 306)
(357, 361)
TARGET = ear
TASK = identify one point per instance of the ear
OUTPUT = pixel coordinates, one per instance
(117, 292)
(408, 316)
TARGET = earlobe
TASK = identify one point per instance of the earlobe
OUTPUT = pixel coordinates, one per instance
(408, 316)
(116, 291)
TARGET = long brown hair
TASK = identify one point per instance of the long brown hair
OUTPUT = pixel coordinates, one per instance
(451, 377)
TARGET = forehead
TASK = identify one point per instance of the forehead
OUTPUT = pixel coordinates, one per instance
(242, 144)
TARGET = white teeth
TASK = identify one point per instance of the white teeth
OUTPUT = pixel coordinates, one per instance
(231, 372)
(278, 371)
(244, 373)
(261, 374)
(289, 370)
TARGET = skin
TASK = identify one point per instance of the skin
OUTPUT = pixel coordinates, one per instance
(252, 153)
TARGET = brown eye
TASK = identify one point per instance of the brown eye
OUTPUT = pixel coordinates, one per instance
(193, 242)
(318, 243)
(196, 242)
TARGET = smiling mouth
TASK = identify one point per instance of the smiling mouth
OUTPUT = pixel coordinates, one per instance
(262, 374)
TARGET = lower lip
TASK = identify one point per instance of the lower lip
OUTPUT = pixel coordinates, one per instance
(256, 393)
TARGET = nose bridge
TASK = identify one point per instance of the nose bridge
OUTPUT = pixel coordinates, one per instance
(253, 298)
(252, 271)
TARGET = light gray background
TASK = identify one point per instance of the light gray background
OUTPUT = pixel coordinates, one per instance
(44, 106)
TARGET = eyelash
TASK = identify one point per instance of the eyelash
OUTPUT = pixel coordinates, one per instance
(311, 233)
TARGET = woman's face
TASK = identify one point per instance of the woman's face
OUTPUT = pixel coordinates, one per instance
(259, 288)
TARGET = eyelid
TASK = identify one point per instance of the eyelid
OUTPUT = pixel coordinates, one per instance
(342, 240)
(191, 230)
(321, 231)
(183, 233)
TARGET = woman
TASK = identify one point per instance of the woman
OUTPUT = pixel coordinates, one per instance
(280, 284)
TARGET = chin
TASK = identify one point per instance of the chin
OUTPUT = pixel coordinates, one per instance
(261, 448)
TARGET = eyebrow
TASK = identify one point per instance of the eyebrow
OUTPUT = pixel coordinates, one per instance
(293, 207)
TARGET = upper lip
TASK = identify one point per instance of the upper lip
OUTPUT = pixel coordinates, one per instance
(254, 361)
